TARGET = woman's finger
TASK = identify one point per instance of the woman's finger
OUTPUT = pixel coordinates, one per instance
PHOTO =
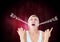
(51, 29)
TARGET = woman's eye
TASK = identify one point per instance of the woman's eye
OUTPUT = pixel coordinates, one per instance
(35, 19)
(30, 19)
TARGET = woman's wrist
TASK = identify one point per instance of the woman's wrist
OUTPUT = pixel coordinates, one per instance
(22, 40)
(46, 39)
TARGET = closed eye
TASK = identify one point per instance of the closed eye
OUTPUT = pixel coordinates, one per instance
(35, 19)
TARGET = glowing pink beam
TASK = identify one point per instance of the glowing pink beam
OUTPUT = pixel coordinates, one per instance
(17, 18)
(50, 20)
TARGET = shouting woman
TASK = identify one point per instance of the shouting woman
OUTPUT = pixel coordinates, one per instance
(33, 34)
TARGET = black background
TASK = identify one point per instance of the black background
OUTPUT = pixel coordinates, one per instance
(5, 4)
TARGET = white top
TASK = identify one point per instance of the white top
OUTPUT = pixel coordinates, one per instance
(29, 39)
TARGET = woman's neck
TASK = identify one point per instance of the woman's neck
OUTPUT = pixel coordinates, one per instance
(33, 31)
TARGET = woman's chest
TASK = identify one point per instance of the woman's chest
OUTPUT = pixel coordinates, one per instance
(34, 37)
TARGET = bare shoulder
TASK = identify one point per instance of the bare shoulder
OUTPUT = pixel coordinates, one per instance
(25, 36)
(42, 35)
(26, 32)
(42, 31)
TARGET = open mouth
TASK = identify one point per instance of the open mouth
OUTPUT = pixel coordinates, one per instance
(33, 24)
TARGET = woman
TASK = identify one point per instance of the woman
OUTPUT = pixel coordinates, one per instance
(33, 34)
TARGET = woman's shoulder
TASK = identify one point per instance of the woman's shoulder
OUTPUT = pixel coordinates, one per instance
(38, 30)
(42, 32)
(26, 30)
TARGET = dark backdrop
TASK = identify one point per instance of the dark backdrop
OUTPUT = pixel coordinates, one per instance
(23, 9)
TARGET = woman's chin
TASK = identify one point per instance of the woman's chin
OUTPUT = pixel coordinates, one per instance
(33, 27)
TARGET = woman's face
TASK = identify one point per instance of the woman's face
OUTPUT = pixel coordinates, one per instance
(33, 21)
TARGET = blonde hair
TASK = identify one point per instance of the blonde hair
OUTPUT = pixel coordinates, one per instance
(33, 16)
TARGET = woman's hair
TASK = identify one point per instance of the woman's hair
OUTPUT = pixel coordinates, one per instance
(35, 16)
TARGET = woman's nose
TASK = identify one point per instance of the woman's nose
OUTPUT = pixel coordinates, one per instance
(33, 21)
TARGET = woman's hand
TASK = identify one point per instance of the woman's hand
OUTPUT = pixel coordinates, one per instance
(48, 34)
(21, 33)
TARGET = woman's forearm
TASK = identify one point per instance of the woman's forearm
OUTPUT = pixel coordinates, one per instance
(46, 39)
(22, 40)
